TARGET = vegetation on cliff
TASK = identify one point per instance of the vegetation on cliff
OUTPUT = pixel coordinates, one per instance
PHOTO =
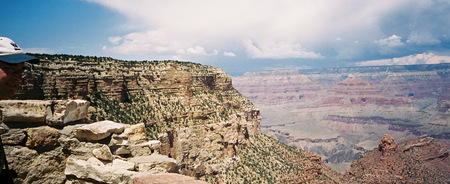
(175, 99)
(161, 112)
(266, 160)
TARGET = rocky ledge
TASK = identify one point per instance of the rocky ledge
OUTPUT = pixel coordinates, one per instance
(414, 161)
(51, 142)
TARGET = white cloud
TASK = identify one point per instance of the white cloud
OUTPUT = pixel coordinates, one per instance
(115, 40)
(424, 58)
(277, 50)
(197, 50)
(229, 54)
(276, 29)
(392, 41)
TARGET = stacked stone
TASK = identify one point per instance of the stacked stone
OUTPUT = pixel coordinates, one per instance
(52, 142)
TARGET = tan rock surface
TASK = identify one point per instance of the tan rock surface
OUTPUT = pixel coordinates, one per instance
(42, 137)
(98, 130)
(166, 178)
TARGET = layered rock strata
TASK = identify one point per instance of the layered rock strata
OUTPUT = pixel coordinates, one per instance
(56, 78)
(353, 91)
(353, 107)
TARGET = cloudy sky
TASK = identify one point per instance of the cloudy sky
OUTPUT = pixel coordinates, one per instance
(236, 35)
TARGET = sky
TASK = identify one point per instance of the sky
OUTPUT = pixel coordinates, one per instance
(236, 35)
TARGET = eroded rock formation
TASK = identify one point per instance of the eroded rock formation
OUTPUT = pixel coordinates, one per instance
(343, 112)
(415, 161)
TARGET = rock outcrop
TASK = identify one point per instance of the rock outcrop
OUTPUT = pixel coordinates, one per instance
(79, 152)
(51, 112)
(353, 91)
(62, 78)
(277, 87)
(387, 145)
(414, 161)
(197, 119)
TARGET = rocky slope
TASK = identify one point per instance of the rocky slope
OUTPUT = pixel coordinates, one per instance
(202, 123)
(415, 161)
(341, 113)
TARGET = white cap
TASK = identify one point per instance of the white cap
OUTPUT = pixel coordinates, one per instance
(10, 52)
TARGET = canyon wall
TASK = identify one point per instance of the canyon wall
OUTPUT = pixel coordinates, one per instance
(192, 109)
(341, 113)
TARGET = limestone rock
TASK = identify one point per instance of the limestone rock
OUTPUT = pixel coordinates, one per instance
(67, 111)
(144, 149)
(13, 137)
(121, 164)
(122, 151)
(3, 128)
(155, 163)
(42, 137)
(76, 147)
(68, 143)
(103, 153)
(387, 145)
(52, 112)
(132, 134)
(98, 131)
(31, 111)
(94, 169)
(135, 132)
(32, 167)
(166, 178)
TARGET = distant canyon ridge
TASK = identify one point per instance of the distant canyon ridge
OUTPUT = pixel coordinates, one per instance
(341, 113)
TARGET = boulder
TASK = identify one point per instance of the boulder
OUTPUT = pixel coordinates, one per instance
(98, 131)
(52, 112)
(13, 137)
(103, 153)
(144, 149)
(387, 145)
(94, 169)
(121, 164)
(64, 112)
(32, 167)
(30, 111)
(3, 128)
(42, 137)
(135, 132)
(165, 178)
(155, 163)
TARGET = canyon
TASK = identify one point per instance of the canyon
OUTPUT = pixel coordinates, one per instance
(80, 119)
(341, 113)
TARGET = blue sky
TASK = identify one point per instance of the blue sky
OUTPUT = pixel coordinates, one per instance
(236, 35)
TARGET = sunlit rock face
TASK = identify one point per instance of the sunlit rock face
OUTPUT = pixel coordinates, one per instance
(344, 112)
(62, 78)
(196, 114)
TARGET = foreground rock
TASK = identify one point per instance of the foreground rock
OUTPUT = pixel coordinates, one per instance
(166, 178)
(78, 153)
(415, 161)
(51, 112)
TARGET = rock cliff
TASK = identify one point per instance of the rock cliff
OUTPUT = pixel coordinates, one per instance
(201, 123)
(192, 108)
